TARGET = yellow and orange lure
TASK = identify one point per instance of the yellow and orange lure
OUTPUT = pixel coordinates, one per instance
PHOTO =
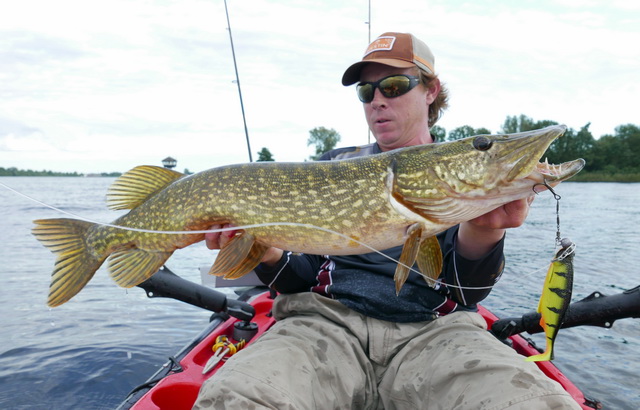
(556, 296)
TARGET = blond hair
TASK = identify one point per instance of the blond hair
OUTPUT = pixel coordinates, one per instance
(437, 107)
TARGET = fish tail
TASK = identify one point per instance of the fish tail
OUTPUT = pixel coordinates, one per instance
(542, 357)
(75, 263)
(548, 353)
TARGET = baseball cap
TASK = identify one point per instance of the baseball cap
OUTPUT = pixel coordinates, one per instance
(401, 50)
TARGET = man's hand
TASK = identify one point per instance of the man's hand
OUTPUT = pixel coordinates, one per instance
(509, 215)
(218, 240)
(479, 235)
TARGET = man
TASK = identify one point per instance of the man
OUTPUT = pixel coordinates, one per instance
(343, 338)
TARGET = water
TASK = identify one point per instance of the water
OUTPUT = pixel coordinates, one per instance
(90, 352)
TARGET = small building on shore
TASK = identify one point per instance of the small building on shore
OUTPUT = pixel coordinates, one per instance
(169, 162)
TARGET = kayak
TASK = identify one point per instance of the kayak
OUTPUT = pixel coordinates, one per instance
(176, 385)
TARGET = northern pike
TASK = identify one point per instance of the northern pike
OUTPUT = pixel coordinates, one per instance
(555, 297)
(405, 196)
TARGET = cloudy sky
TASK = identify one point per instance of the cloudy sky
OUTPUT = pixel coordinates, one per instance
(102, 86)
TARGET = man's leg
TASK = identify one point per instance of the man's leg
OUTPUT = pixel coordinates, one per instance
(456, 363)
(304, 361)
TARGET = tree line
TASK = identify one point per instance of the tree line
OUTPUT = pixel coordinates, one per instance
(610, 158)
(15, 172)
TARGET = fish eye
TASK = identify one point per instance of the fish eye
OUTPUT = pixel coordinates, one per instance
(482, 143)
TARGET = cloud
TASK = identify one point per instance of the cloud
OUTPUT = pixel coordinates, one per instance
(117, 84)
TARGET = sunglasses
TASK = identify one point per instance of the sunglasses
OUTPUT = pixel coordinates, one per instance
(391, 87)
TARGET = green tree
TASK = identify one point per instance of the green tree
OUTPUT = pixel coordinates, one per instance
(13, 171)
(629, 136)
(438, 133)
(466, 131)
(572, 145)
(324, 139)
(265, 155)
(605, 154)
(619, 152)
(523, 123)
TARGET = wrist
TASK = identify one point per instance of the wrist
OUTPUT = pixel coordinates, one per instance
(476, 241)
(272, 256)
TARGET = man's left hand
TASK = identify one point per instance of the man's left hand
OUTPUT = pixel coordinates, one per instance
(509, 215)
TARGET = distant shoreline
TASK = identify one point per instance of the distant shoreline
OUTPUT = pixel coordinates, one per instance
(14, 172)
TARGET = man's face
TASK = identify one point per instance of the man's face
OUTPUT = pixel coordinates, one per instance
(400, 121)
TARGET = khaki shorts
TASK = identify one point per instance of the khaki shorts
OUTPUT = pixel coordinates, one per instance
(322, 355)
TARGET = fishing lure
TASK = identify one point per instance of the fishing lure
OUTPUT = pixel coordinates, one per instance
(556, 296)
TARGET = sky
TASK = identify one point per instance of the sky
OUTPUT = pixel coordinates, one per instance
(105, 86)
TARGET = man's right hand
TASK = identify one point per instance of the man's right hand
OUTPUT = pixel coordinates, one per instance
(218, 240)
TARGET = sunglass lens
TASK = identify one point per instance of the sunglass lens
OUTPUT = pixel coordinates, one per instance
(365, 92)
(394, 86)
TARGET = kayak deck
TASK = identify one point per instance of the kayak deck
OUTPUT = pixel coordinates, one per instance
(177, 384)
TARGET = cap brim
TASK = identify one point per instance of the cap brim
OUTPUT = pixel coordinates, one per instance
(352, 74)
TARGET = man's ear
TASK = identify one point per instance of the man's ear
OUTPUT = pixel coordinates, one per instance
(433, 90)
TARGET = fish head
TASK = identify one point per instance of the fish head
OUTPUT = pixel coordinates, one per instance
(459, 180)
(493, 161)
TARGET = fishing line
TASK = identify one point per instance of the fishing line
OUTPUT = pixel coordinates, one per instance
(235, 228)
(571, 247)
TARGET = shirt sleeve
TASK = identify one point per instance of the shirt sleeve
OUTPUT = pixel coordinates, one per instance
(476, 277)
(292, 273)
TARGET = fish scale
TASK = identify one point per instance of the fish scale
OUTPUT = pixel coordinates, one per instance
(405, 196)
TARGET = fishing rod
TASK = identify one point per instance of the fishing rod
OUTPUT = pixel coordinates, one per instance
(235, 66)
(368, 23)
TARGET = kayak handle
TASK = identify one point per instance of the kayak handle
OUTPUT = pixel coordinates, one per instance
(596, 309)
(167, 284)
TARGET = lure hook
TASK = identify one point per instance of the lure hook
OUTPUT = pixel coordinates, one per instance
(546, 185)
(557, 198)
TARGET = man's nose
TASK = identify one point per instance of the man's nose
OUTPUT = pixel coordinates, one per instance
(378, 100)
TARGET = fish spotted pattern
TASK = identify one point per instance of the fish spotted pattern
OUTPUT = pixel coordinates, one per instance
(405, 196)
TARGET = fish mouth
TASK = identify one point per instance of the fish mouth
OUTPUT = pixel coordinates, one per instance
(526, 149)
(556, 173)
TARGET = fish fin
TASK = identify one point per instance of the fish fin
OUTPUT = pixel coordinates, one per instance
(408, 255)
(75, 263)
(132, 266)
(430, 260)
(139, 184)
(239, 257)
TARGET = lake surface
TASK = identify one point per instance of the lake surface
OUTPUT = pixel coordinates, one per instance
(90, 352)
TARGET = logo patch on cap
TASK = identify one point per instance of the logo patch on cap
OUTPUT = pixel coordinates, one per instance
(384, 43)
